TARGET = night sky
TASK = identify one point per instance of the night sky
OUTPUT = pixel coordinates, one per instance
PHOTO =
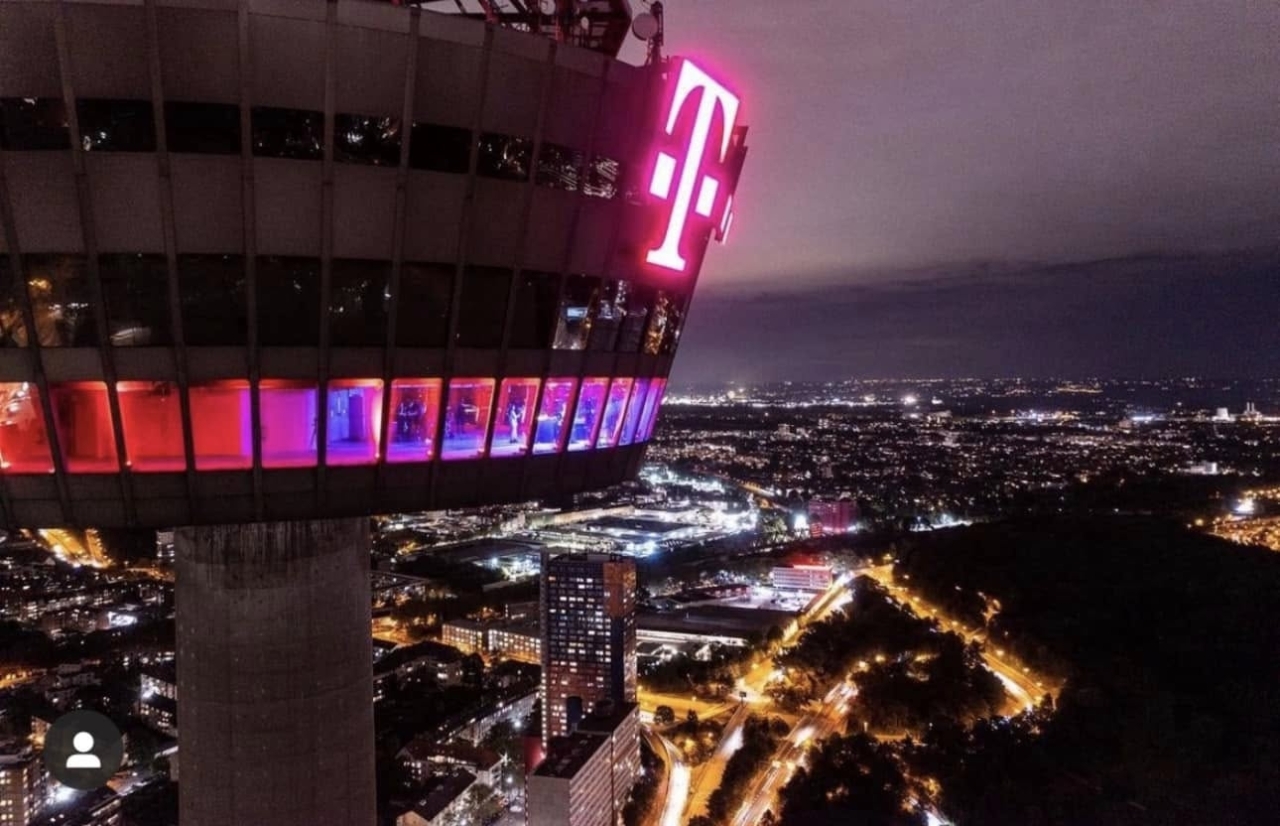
(994, 188)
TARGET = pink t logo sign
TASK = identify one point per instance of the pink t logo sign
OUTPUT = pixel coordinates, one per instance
(696, 189)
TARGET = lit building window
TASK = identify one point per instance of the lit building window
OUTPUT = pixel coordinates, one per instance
(151, 415)
(221, 426)
(85, 434)
(466, 422)
(354, 423)
(586, 417)
(288, 423)
(514, 422)
(24, 442)
(415, 408)
(614, 407)
(631, 421)
(650, 415)
(553, 415)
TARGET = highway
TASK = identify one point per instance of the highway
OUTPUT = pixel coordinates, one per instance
(813, 727)
(1022, 684)
(706, 778)
(668, 805)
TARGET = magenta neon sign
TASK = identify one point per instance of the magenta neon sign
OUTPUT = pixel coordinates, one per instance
(692, 180)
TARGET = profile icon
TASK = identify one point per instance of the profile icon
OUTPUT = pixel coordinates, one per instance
(83, 749)
(84, 757)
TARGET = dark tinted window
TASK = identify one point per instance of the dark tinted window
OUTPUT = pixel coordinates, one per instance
(367, 139)
(534, 319)
(116, 125)
(505, 157)
(633, 324)
(288, 301)
(33, 123)
(13, 330)
(288, 133)
(422, 310)
(674, 311)
(214, 300)
(559, 167)
(439, 148)
(577, 305)
(664, 319)
(484, 306)
(212, 128)
(136, 291)
(358, 303)
(603, 175)
(61, 300)
(611, 309)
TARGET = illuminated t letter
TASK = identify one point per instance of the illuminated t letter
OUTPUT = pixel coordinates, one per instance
(714, 96)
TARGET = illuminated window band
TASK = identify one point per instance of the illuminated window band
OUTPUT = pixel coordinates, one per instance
(429, 419)
(701, 186)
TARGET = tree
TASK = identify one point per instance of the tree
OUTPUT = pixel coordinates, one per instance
(664, 715)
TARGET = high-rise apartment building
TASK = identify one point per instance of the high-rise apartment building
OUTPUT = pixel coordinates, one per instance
(588, 775)
(22, 788)
(589, 636)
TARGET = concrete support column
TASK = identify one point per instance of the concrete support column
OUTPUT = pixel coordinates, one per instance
(275, 674)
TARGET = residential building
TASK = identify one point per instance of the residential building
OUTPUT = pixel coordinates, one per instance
(589, 636)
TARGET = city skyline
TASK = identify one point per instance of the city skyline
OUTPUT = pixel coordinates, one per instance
(987, 159)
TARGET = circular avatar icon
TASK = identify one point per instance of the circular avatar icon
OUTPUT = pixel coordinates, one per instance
(82, 749)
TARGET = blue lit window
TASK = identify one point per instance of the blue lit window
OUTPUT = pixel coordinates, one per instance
(552, 425)
(415, 410)
(586, 417)
(631, 421)
(466, 422)
(614, 408)
(354, 423)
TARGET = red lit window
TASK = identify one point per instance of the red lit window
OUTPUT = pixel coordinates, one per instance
(83, 418)
(553, 416)
(514, 417)
(355, 422)
(614, 407)
(631, 421)
(415, 408)
(650, 416)
(288, 420)
(151, 414)
(24, 442)
(221, 425)
(586, 418)
(466, 422)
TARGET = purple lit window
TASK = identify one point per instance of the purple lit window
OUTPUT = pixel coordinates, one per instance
(415, 409)
(466, 422)
(650, 416)
(614, 407)
(151, 413)
(586, 419)
(355, 422)
(83, 419)
(631, 421)
(288, 418)
(514, 422)
(221, 425)
(553, 416)
(24, 442)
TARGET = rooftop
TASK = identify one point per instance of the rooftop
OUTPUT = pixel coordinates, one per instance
(567, 755)
(443, 789)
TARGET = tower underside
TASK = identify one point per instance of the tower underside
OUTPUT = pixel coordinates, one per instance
(275, 674)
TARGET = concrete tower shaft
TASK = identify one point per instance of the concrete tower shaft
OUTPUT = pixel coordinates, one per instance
(275, 674)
